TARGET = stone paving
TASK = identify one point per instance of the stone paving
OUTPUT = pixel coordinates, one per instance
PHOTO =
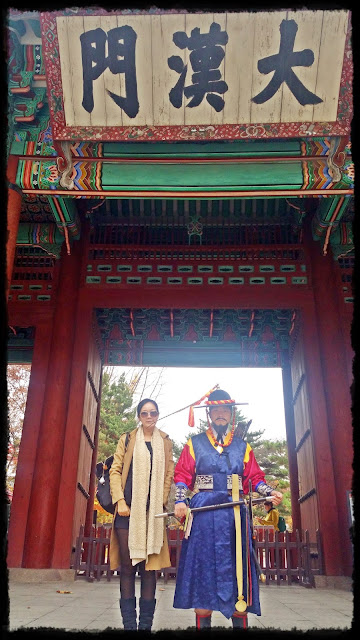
(89, 605)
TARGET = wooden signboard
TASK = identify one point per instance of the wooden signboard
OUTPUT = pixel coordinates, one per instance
(178, 76)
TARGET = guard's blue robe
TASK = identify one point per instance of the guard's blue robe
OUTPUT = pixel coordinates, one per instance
(206, 576)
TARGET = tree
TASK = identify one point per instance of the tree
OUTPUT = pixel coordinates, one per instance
(272, 457)
(116, 417)
(116, 413)
(18, 377)
(177, 449)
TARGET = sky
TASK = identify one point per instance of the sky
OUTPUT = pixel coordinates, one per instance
(176, 388)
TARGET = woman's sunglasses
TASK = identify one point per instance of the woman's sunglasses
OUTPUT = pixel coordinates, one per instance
(152, 414)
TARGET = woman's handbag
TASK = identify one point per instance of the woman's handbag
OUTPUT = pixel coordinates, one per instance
(103, 488)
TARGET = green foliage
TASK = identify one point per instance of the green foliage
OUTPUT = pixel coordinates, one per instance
(116, 415)
(272, 457)
(254, 439)
(177, 449)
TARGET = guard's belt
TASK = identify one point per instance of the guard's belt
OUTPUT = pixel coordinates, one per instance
(206, 482)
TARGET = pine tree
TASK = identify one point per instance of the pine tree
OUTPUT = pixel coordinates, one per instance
(116, 415)
(272, 457)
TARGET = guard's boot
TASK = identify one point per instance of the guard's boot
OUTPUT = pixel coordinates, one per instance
(203, 622)
(147, 608)
(128, 613)
(240, 621)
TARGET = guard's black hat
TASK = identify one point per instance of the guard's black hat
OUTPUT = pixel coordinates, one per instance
(219, 394)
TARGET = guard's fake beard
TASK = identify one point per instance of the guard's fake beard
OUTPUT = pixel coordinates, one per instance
(220, 429)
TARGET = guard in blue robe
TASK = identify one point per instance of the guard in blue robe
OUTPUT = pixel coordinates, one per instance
(207, 579)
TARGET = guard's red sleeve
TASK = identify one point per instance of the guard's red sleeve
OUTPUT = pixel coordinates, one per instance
(251, 471)
(185, 468)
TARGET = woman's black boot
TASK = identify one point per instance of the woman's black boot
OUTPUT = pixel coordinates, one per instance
(128, 612)
(147, 608)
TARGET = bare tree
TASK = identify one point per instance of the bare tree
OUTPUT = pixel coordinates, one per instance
(18, 377)
(148, 379)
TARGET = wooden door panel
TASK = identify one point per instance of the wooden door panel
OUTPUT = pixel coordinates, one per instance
(304, 441)
(88, 426)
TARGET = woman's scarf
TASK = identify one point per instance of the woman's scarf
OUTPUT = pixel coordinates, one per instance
(146, 533)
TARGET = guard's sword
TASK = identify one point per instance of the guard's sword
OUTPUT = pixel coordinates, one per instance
(211, 507)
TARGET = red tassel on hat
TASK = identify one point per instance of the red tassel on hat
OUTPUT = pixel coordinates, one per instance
(191, 421)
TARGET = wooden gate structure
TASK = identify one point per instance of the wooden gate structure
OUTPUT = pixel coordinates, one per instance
(153, 223)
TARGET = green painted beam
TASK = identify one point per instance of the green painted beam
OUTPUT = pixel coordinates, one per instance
(198, 177)
(251, 148)
(324, 216)
(19, 356)
(222, 354)
(38, 233)
(68, 217)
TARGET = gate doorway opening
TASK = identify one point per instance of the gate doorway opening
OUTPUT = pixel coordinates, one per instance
(174, 389)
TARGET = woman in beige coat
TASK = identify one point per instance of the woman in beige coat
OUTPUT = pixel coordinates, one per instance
(140, 480)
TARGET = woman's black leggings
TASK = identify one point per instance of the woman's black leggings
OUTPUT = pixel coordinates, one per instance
(128, 571)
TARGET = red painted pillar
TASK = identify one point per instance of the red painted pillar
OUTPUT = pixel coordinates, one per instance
(337, 391)
(13, 218)
(46, 487)
(65, 509)
(326, 482)
(28, 445)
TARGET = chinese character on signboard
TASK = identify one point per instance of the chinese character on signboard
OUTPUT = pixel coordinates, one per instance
(121, 43)
(205, 58)
(282, 64)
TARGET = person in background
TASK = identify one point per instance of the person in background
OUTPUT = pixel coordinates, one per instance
(272, 517)
(140, 480)
(216, 568)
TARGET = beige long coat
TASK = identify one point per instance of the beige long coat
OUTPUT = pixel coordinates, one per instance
(118, 475)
